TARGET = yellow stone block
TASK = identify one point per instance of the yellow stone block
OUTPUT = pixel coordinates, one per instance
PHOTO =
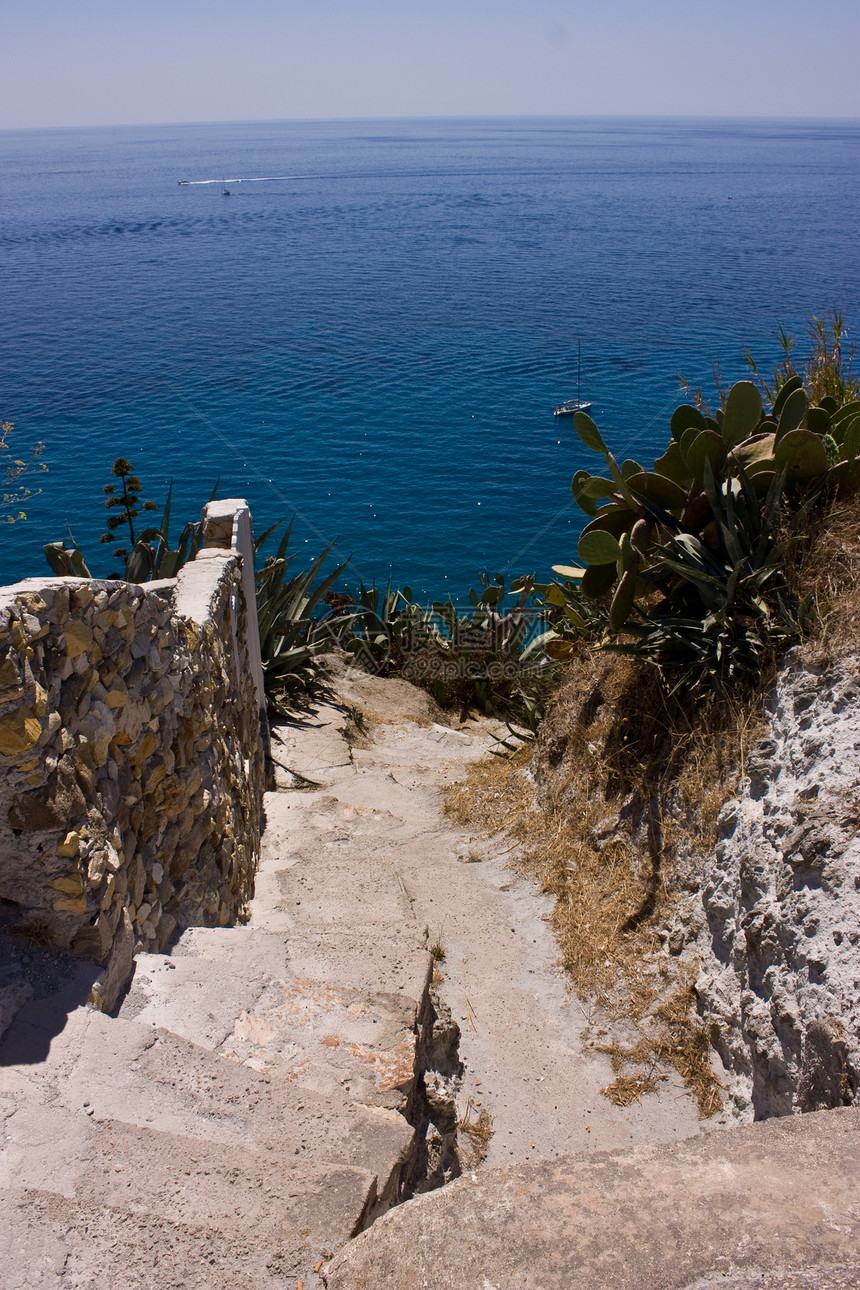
(155, 778)
(19, 731)
(116, 698)
(148, 745)
(72, 884)
(40, 703)
(70, 846)
(10, 683)
(33, 602)
(66, 905)
(108, 894)
(79, 637)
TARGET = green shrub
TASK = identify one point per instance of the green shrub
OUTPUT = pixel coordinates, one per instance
(684, 564)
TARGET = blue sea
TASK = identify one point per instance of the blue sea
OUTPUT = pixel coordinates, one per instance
(375, 342)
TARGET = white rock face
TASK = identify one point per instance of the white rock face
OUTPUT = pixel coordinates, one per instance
(779, 945)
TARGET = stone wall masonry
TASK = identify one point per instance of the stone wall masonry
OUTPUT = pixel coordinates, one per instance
(132, 758)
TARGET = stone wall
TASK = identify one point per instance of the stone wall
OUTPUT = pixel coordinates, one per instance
(778, 942)
(132, 755)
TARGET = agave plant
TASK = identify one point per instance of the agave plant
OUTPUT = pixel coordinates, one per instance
(794, 443)
(292, 632)
(721, 603)
(151, 555)
(382, 626)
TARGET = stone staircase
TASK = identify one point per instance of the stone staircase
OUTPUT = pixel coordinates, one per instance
(269, 1091)
(257, 1101)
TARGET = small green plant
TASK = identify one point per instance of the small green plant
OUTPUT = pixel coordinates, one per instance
(828, 372)
(437, 952)
(151, 555)
(479, 656)
(124, 499)
(293, 634)
(14, 494)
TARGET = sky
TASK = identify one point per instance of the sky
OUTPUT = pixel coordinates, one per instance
(113, 62)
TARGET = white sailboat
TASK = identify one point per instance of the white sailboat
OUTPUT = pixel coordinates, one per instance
(568, 408)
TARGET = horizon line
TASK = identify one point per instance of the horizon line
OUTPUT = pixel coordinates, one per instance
(480, 116)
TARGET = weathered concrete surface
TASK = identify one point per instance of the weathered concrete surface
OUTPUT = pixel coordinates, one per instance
(268, 1089)
(775, 1204)
(376, 821)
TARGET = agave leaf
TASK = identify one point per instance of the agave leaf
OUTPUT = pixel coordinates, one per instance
(264, 537)
(598, 547)
(588, 432)
(164, 529)
(554, 595)
(742, 412)
(685, 417)
(66, 561)
(140, 564)
(793, 412)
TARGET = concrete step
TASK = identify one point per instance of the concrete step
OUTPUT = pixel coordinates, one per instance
(269, 1209)
(321, 1022)
(773, 1204)
(106, 1080)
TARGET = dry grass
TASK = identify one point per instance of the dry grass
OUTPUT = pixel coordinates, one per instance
(619, 828)
(37, 933)
(826, 571)
(492, 797)
(611, 745)
(474, 1131)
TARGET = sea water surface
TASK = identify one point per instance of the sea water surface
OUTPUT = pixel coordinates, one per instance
(377, 342)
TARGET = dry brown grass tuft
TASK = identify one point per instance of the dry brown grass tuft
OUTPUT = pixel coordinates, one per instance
(474, 1131)
(493, 794)
(826, 571)
(37, 933)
